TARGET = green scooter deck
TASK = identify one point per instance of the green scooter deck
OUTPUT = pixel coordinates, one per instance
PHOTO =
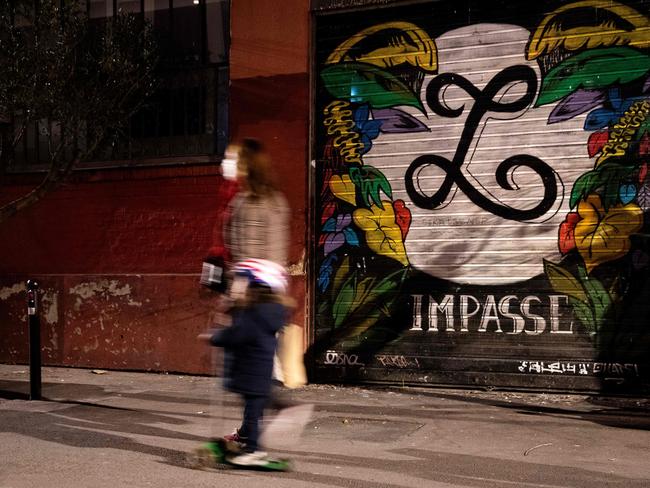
(216, 452)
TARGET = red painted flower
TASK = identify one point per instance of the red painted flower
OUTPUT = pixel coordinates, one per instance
(597, 141)
(644, 145)
(567, 238)
(402, 217)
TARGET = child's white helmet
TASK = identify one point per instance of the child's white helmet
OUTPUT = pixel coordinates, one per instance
(263, 272)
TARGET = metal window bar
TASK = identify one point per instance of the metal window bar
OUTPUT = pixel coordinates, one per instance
(195, 97)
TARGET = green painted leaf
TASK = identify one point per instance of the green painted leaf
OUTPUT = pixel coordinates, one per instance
(340, 276)
(343, 302)
(593, 69)
(582, 187)
(365, 83)
(371, 182)
(564, 282)
(598, 295)
(608, 176)
(584, 314)
(368, 296)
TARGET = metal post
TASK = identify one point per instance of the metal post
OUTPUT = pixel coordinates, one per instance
(34, 341)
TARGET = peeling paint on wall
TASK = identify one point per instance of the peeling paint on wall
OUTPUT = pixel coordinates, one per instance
(8, 291)
(105, 289)
(50, 307)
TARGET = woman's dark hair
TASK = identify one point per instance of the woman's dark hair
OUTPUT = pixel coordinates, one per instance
(256, 164)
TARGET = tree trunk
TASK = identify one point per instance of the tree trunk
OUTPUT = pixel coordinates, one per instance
(49, 183)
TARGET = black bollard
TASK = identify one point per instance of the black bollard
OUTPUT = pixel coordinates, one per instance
(34, 341)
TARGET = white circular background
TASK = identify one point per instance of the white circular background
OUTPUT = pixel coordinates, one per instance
(460, 241)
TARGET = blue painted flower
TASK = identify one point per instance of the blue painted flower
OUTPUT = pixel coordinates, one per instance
(326, 271)
(368, 128)
(604, 117)
(337, 231)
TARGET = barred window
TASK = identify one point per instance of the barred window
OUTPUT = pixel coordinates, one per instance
(186, 119)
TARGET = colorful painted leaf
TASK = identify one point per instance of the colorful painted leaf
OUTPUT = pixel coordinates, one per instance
(389, 45)
(333, 242)
(584, 314)
(343, 302)
(381, 295)
(592, 70)
(402, 217)
(597, 141)
(397, 121)
(597, 294)
(603, 117)
(383, 235)
(325, 274)
(643, 172)
(367, 292)
(351, 236)
(365, 83)
(643, 197)
(644, 145)
(567, 237)
(329, 225)
(608, 175)
(583, 186)
(371, 128)
(340, 276)
(603, 236)
(577, 103)
(627, 193)
(343, 189)
(328, 211)
(564, 282)
(370, 182)
(600, 118)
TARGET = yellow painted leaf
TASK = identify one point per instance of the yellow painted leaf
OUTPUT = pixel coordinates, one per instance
(343, 188)
(564, 282)
(395, 43)
(602, 23)
(604, 236)
(383, 235)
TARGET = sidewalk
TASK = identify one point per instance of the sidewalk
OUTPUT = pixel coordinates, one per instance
(133, 430)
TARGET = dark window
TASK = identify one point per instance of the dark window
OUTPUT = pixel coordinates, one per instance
(186, 118)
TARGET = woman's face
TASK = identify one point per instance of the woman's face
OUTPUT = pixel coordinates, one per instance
(229, 165)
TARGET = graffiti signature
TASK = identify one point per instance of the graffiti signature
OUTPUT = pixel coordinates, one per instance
(341, 359)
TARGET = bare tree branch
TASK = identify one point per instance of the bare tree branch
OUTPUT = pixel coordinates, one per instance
(86, 80)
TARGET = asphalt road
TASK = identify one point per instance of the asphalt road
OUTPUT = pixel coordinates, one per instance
(135, 430)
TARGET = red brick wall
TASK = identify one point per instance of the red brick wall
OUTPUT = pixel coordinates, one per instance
(117, 254)
(118, 251)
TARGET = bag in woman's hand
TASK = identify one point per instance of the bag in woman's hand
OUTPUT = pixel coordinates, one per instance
(213, 274)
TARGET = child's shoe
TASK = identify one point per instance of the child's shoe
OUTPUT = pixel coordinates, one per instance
(234, 437)
(256, 458)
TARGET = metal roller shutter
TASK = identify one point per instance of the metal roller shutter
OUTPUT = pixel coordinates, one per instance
(481, 194)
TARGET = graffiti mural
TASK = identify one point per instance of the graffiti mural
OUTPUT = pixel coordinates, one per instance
(483, 191)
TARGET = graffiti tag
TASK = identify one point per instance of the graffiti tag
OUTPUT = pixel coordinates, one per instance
(600, 369)
(401, 362)
(342, 359)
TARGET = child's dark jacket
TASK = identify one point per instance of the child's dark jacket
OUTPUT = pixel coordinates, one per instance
(250, 345)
